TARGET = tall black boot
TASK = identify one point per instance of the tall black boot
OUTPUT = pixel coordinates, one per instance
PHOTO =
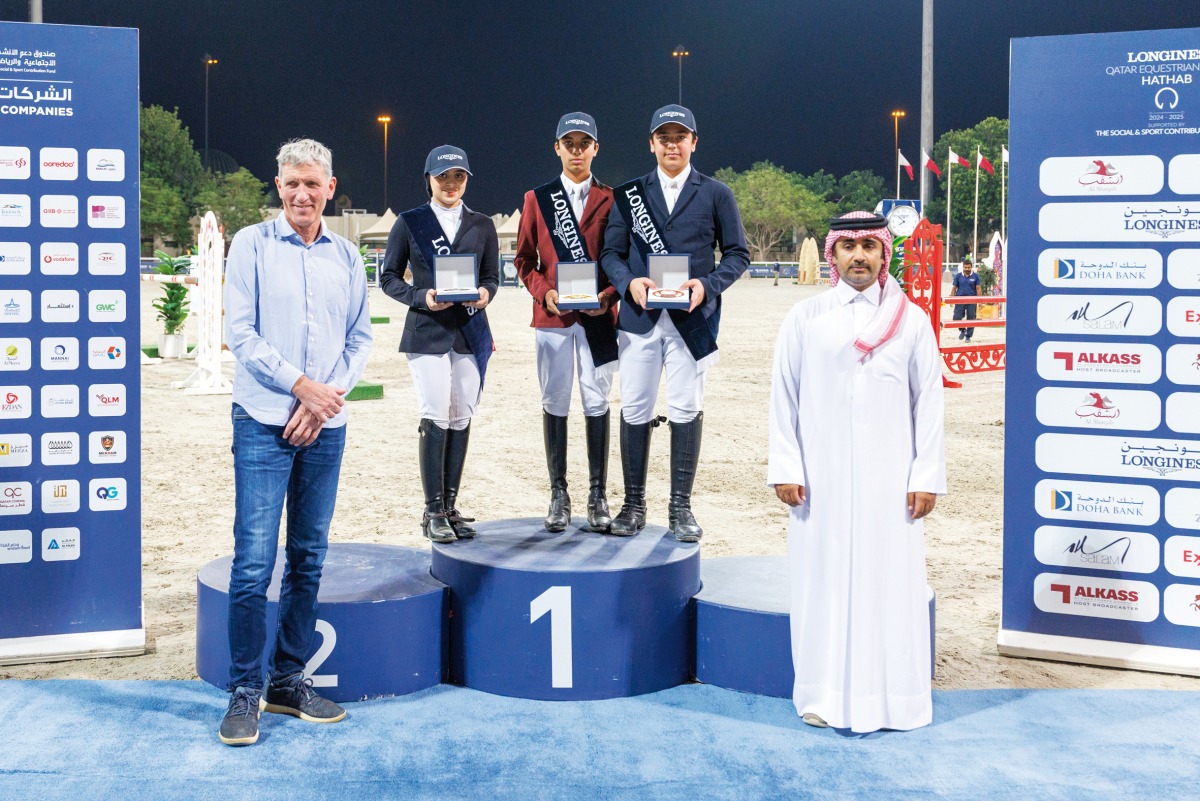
(554, 428)
(599, 517)
(456, 457)
(685, 455)
(635, 457)
(431, 455)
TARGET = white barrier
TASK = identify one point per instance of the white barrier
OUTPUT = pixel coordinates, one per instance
(207, 378)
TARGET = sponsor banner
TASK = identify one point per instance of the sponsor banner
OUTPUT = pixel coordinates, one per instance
(60, 496)
(16, 353)
(1181, 556)
(16, 497)
(1116, 363)
(1121, 457)
(16, 450)
(1182, 508)
(15, 211)
(60, 448)
(106, 211)
(105, 164)
(60, 306)
(106, 400)
(1096, 502)
(1104, 315)
(1092, 596)
(106, 494)
(106, 353)
(58, 164)
(106, 258)
(16, 547)
(106, 305)
(16, 402)
(1183, 316)
(15, 258)
(60, 400)
(1183, 364)
(60, 544)
(1096, 549)
(1181, 604)
(1069, 267)
(1162, 223)
(59, 258)
(1184, 172)
(14, 163)
(1104, 175)
(16, 306)
(59, 211)
(1099, 408)
(106, 447)
(1183, 412)
(60, 353)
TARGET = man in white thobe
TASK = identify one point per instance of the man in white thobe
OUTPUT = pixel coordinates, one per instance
(857, 452)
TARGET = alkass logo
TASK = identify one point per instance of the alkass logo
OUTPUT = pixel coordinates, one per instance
(1098, 408)
(1101, 173)
(1070, 359)
(1121, 363)
(1096, 597)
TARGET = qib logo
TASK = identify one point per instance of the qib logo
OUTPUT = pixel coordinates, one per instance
(106, 493)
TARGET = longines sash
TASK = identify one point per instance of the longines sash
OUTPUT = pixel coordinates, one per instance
(431, 239)
(569, 245)
(646, 234)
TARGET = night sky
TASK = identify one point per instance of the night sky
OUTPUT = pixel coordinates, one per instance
(808, 85)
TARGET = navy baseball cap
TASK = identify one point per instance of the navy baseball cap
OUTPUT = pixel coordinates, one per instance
(673, 113)
(446, 157)
(577, 121)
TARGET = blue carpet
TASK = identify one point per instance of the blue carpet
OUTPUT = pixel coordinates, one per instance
(157, 740)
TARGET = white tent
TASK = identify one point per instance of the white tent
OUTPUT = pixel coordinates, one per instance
(506, 232)
(380, 230)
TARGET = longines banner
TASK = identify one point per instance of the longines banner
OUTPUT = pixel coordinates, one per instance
(70, 501)
(1102, 445)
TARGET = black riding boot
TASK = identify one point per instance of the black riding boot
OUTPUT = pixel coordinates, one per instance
(554, 429)
(685, 455)
(456, 457)
(431, 455)
(635, 457)
(598, 514)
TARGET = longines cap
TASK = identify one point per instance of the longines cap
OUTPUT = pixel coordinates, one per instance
(577, 121)
(446, 157)
(673, 113)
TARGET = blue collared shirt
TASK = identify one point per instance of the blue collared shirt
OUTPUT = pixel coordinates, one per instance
(293, 309)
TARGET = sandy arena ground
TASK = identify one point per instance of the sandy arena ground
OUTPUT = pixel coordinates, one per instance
(188, 486)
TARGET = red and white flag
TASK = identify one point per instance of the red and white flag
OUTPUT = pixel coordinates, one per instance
(930, 164)
(982, 163)
(1004, 154)
(904, 163)
(963, 162)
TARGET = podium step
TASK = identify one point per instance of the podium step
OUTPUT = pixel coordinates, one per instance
(743, 627)
(569, 616)
(379, 628)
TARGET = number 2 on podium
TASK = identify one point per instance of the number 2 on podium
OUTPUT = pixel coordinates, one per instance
(556, 601)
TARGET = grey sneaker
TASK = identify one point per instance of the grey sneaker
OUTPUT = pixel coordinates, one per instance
(295, 696)
(240, 724)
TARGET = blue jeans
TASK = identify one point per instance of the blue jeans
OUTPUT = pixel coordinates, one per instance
(267, 470)
(967, 310)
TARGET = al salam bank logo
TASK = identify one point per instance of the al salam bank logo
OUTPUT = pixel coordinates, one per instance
(1098, 408)
(1111, 554)
(1115, 318)
(1101, 173)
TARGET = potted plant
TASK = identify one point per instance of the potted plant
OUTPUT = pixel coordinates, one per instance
(987, 285)
(172, 307)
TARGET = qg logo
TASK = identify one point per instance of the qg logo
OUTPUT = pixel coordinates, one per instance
(106, 494)
(1090, 596)
(1118, 363)
(106, 306)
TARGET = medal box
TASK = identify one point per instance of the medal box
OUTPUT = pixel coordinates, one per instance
(578, 285)
(669, 271)
(456, 277)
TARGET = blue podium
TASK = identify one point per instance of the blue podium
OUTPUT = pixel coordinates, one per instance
(380, 627)
(743, 628)
(568, 616)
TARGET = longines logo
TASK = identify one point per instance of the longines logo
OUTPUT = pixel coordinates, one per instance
(1161, 459)
(1162, 222)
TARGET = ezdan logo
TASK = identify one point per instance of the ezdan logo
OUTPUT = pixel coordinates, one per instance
(1115, 318)
(1113, 553)
(449, 157)
(1060, 501)
(1099, 408)
(107, 493)
(1091, 595)
(1070, 359)
(1101, 173)
(671, 114)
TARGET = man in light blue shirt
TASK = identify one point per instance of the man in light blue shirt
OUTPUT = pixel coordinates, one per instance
(296, 320)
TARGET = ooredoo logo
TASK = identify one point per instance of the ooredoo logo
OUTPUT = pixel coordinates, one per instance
(59, 164)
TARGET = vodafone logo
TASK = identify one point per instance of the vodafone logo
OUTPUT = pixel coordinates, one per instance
(1115, 599)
